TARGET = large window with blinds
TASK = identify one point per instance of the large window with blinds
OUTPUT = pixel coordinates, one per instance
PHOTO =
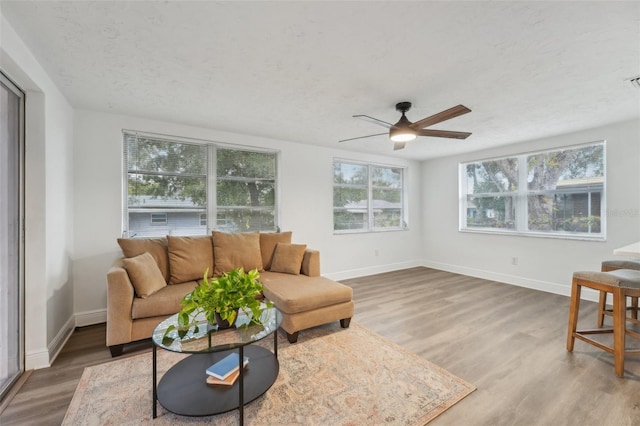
(367, 197)
(558, 193)
(184, 187)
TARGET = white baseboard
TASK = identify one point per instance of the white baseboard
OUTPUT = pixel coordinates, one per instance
(61, 338)
(379, 269)
(38, 359)
(549, 287)
(35, 360)
(97, 316)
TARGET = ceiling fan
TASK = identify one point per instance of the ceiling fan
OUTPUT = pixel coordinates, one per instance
(404, 130)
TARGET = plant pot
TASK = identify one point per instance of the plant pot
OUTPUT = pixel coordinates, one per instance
(222, 324)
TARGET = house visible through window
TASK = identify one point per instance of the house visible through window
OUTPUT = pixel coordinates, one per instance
(367, 197)
(176, 186)
(555, 193)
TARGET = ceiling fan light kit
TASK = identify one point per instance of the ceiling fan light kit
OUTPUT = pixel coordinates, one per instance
(402, 135)
(405, 131)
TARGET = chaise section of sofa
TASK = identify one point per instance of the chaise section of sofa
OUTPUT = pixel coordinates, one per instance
(148, 283)
(307, 301)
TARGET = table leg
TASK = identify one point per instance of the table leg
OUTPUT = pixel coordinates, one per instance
(241, 407)
(275, 343)
(155, 386)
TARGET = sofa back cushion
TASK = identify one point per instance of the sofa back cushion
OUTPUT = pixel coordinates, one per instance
(157, 247)
(236, 251)
(268, 243)
(189, 257)
(287, 258)
(144, 274)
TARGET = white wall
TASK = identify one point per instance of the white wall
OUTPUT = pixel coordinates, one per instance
(306, 200)
(48, 202)
(543, 263)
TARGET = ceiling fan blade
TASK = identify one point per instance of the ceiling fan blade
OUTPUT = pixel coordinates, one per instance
(374, 121)
(362, 137)
(440, 117)
(398, 145)
(443, 134)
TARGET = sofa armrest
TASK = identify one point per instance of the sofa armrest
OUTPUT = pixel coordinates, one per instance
(311, 263)
(120, 294)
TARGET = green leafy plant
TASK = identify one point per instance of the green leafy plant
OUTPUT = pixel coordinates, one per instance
(225, 295)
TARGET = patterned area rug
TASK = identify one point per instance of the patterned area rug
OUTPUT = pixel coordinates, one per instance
(332, 376)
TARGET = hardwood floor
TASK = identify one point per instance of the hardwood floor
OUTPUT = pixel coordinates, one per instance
(508, 341)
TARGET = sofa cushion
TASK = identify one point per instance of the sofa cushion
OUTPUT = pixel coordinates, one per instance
(144, 274)
(268, 242)
(157, 247)
(240, 250)
(299, 293)
(189, 257)
(287, 258)
(164, 302)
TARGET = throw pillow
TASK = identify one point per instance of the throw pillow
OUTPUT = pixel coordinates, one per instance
(287, 258)
(236, 251)
(157, 247)
(144, 274)
(189, 257)
(268, 243)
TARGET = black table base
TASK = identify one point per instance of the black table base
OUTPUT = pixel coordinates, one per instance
(183, 389)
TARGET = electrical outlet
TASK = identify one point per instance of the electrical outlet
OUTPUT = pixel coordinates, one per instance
(514, 260)
(376, 252)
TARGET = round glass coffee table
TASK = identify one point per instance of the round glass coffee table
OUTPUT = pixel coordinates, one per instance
(183, 389)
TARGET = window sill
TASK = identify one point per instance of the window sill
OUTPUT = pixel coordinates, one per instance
(368, 231)
(560, 236)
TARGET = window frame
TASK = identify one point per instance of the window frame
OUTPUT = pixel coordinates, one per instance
(210, 210)
(521, 194)
(370, 187)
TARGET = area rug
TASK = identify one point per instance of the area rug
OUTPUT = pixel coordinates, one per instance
(332, 376)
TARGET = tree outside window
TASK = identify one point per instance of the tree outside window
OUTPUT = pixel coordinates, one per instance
(558, 192)
(367, 197)
(170, 178)
(245, 190)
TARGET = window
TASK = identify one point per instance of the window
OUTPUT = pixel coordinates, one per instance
(367, 197)
(553, 193)
(158, 218)
(246, 190)
(176, 187)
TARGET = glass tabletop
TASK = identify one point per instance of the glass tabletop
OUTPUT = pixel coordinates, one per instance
(205, 337)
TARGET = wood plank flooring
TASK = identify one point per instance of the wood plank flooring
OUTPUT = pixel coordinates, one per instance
(506, 340)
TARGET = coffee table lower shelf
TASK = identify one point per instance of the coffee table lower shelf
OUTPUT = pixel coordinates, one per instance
(183, 389)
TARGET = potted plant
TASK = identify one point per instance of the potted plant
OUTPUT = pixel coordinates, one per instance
(220, 299)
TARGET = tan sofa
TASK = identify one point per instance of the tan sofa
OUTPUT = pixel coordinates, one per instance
(148, 283)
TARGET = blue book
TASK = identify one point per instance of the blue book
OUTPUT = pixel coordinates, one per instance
(226, 366)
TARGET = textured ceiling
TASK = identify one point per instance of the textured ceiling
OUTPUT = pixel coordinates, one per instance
(298, 71)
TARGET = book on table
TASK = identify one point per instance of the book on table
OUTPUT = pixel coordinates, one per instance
(226, 366)
(229, 381)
